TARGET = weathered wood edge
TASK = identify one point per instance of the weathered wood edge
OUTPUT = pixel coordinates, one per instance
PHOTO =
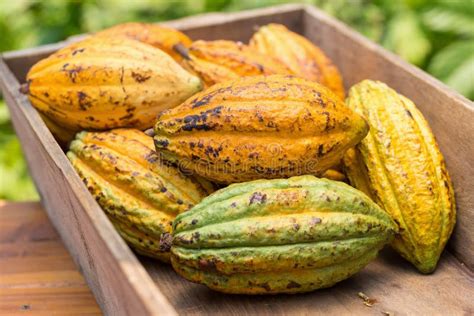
(463, 109)
(120, 283)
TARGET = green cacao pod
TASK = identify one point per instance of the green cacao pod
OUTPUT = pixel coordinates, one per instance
(259, 127)
(279, 236)
(400, 166)
(139, 192)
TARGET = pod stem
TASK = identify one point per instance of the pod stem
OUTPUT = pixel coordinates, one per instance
(182, 50)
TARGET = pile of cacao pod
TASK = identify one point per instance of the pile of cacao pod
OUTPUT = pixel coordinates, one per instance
(242, 164)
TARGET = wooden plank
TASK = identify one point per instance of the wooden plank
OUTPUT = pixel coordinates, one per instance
(38, 274)
(393, 282)
(450, 115)
(120, 284)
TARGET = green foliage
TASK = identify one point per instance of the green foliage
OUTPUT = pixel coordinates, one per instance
(437, 35)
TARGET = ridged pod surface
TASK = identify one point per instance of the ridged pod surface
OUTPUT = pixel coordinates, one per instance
(62, 135)
(139, 192)
(104, 83)
(279, 236)
(219, 61)
(300, 55)
(259, 127)
(159, 36)
(400, 165)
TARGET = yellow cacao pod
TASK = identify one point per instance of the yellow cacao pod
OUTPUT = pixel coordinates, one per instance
(399, 163)
(159, 36)
(219, 61)
(259, 127)
(103, 83)
(62, 135)
(139, 192)
(300, 55)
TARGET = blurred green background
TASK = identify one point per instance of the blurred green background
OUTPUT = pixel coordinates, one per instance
(436, 35)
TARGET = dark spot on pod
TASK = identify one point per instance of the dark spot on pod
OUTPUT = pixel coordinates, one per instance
(208, 265)
(79, 50)
(320, 150)
(84, 104)
(140, 78)
(328, 199)
(194, 222)
(152, 157)
(233, 204)
(140, 240)
(166, 240)
(196, 235)
(161, 143)
(409, 113)
(314, 221)
(179, 201)
(265, 286)
(126, 117)
(253, 155)
(258, 197)
(296, 226)
(163, 190)
(293, 285)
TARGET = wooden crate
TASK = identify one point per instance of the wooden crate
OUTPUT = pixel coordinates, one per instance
(126, 284)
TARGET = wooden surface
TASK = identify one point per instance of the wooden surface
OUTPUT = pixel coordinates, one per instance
(38, 275)
(121, 284)
(391, 281)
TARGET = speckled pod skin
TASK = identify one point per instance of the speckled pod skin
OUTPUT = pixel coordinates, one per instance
(159, 36)
(259, 127)
(140, 194)
(399, 163)
(103, 83)
(279, 236)
(219, 61)
(300, 55)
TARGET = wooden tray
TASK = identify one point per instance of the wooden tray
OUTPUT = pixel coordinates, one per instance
(126, 284)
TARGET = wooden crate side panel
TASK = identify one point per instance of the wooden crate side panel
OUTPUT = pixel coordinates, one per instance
(450, 115)
(119, 282)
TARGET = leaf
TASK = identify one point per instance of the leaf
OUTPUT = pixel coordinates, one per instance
(405, 37)
(450, 19)
(455, 66)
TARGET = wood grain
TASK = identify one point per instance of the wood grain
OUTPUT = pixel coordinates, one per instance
(38, 274)
(393, 282)
(451, 116)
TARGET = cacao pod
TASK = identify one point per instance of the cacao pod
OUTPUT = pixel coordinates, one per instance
(400, 164)
(279, 236)
(139, 192)
(300, 55)
(259, 127)
(159, 36)
(219, 61)
(62, 135)
(103, 83)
